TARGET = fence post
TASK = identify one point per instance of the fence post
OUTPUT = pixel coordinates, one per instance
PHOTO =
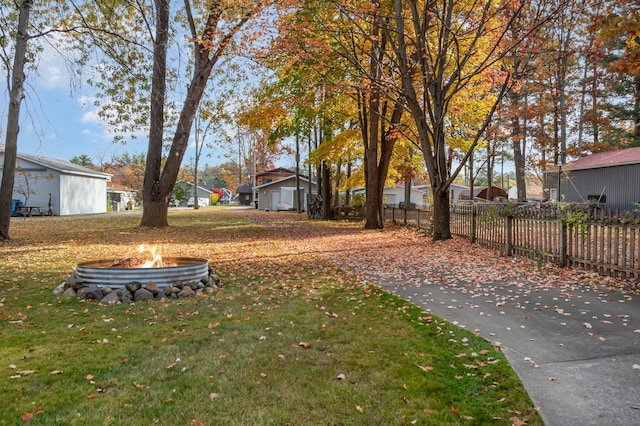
(472, 233)
(562, 255)
(509, 235)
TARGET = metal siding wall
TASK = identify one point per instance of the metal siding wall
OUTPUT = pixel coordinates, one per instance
(621, 185)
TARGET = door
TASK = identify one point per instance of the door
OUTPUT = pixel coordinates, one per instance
(275, 200)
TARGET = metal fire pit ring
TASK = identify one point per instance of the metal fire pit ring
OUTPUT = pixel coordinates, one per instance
(99, 272)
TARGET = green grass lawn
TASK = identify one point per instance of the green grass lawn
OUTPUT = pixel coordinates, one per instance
(288, 340)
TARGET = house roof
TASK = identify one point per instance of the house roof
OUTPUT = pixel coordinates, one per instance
(117, 187)
(282, 180)
(244, 189)
(62, 166)
(607, 159)
(279, 170)
(199, 187)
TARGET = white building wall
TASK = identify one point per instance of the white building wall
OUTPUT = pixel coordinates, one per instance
(39, 184)
(82, 195)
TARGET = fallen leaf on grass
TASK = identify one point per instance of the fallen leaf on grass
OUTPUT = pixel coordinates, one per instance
(515, 421)
(424, 367)
(27, 417)
(304, 345)
(359, 408)
(55, 372)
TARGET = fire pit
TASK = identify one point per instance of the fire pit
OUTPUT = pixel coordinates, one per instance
(134, 279)
(115, 274)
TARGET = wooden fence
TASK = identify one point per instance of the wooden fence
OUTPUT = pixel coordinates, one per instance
(581, 236)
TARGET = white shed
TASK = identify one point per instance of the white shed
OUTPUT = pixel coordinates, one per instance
(62, 187)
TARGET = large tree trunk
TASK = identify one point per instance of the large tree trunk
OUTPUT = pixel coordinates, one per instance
(326, 192)
(155, 203)
(13, 119)
(441, 214)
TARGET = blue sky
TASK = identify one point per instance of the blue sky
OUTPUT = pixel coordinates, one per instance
(61, 122)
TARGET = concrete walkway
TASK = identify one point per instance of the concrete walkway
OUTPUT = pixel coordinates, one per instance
(576, 350)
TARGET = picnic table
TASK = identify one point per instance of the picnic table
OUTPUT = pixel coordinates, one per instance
(30, 211)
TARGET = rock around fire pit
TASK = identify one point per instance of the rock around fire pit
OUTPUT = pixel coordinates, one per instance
(123, 280)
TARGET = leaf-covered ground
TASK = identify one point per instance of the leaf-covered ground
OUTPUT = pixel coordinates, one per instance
(295, 337)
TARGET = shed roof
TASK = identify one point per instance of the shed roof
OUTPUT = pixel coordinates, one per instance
(244, 189)
(113, 186)
(292, 177)
(481, 192)
(279, 170)
(607, 159)
(62, 166)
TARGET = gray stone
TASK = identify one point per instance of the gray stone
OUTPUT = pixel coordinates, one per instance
(81, 293)
(69, 293)
(125, 295)
(93, 292)
(173, 296)
(193, 285)
(133, 286)
(106, 290)
(74, 282)
(160, 295)
(110, 299)
(215, 280)
(142, 295)
(186, 292)
(59, 291)
(152, 287)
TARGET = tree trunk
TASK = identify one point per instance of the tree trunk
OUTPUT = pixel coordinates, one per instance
(326, 192)
(441, 214)
(154, 202)
(518, 154)
(636, 111)
(298, 195)
(13, 119)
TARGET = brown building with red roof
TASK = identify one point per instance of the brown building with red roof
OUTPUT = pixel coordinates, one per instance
(608, 178)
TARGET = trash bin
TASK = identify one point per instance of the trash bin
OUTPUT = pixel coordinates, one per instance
(15, 206)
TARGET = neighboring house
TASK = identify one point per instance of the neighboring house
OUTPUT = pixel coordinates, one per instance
(203, 194)
(273, 175)
(608, 178)
(60, 186)
(393, 196)
(454, 192)
(120, 197)
(282, 194)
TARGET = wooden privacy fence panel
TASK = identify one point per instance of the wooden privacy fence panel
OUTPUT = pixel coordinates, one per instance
(541, 233)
